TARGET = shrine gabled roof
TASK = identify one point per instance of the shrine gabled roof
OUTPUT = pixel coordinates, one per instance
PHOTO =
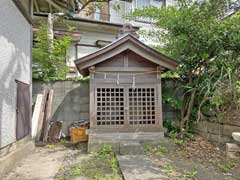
(126, 42)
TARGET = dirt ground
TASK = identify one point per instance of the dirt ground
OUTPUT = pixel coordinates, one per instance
(179, 160)
(196, 159)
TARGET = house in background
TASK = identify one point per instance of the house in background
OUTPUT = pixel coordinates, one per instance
(15, 81)
(97, 27)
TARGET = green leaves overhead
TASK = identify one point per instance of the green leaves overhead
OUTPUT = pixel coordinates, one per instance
(207, 46)
(49, 63)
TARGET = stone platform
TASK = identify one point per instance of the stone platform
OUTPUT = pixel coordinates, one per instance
(124, 143)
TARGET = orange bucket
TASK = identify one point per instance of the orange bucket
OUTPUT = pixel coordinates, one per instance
(78, 134)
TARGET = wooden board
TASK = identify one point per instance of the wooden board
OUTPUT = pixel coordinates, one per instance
(41, 116)
(47, 115)
(36, 114)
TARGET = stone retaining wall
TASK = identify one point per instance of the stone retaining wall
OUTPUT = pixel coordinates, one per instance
(219, 132)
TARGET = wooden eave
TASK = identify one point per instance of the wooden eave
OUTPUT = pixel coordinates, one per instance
(127, 42)
(24, 12)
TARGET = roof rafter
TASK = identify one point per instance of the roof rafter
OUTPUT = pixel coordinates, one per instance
(56, 6)
(36, 5)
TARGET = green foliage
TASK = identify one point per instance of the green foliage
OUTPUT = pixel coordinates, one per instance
(82, 79)
(207, 48)
(106, 153)
(173, 101)
(49, 62)
(162, 149)
(102, 165)
(179, 142)
(191, 174)
(227, 166)
(168, 169)
(148, 148)
(171, 125)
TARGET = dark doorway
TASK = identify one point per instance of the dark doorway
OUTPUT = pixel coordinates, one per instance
(23, 123)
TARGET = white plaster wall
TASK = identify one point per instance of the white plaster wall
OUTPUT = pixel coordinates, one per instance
(15, 63)
(90, 38)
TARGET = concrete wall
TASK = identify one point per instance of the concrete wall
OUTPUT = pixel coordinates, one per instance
(15, 59)
(169, 87)
(70, 101)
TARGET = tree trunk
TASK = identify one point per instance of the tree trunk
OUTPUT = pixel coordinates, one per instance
(185, 119)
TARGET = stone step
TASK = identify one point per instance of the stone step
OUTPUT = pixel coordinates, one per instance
(131, 148)
(236, 136)
(124, 143)
(139, 167)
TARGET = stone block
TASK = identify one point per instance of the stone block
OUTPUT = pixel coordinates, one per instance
(228, 129)
(214, 128)
(97, 146)
(233, 155)
(131, 148)
(84, 116)
(231, 147)
(236, 136)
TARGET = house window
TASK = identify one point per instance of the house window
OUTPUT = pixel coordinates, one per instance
(142, 3)
(147, 3)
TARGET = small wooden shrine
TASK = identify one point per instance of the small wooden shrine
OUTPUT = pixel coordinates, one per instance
(125, 86)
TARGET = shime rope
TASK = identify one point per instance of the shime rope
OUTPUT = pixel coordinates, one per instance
(125, 74)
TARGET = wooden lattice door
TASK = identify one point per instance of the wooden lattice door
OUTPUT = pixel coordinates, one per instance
(119, 106)
(110, 106)
(142, 101)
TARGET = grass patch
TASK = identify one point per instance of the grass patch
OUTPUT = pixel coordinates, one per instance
(168, 169)
(160, 150)
(102, 165)
(227, 166)
(148, 148)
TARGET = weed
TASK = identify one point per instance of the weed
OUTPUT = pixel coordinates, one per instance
(192, 174)
(227, 166)
(148, 148)
(228, 178)
(179, 142)
(51, 146)
(161, 150)
(63, 141)
(61, 178)
(173, 134)
(168, 169)
(75, 171)
(105, 151)
(180, 178)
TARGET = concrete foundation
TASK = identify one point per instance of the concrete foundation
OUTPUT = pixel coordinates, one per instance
(124, 143)
(11, 155)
